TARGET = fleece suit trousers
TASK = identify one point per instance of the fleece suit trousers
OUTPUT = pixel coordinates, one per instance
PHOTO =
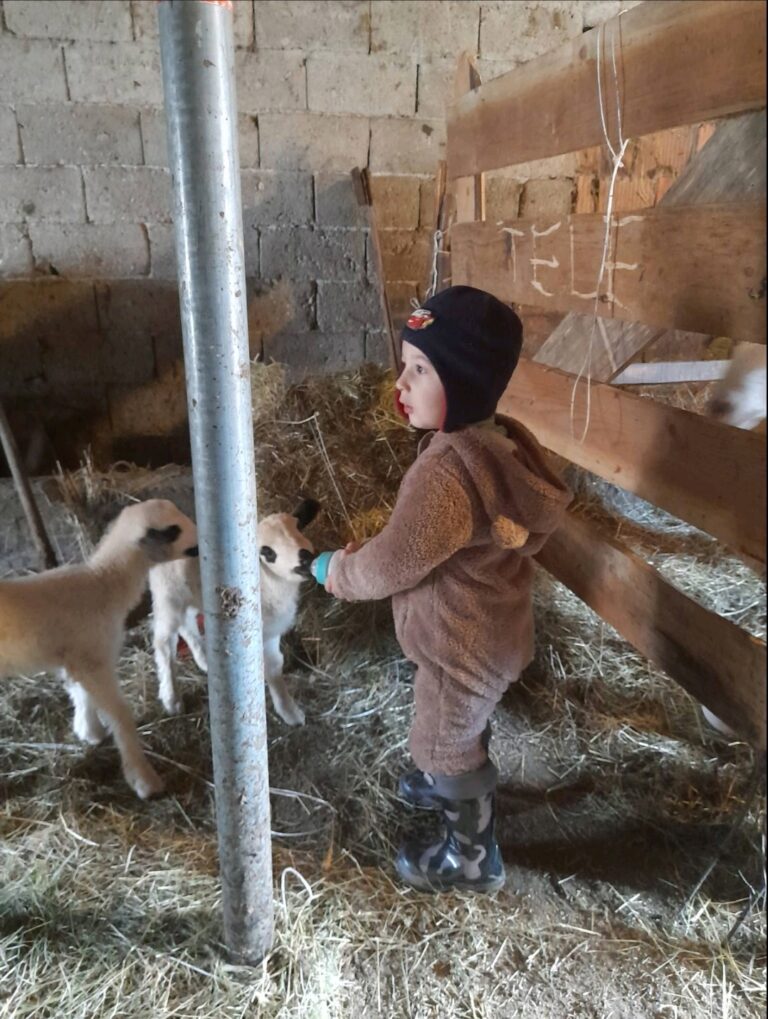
(449, 720)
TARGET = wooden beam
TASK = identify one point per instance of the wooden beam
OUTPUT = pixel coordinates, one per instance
(696, 268)
(362, 188)
(708, 474)
(678, 63)
(657, 373)
(717, 662)
(614, 343)
(469, 191)
(730, 167)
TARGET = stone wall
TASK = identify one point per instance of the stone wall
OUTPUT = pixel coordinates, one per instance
(90, 341)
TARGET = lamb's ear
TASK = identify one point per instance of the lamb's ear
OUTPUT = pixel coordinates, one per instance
(306, 512)
(156, 541)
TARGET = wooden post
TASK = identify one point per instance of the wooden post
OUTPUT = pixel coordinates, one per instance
(469, 192)
(362, 185)
(25, 493)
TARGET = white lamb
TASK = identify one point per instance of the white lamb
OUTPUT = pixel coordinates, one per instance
(72, 619)
(739, 399)
(285, 555)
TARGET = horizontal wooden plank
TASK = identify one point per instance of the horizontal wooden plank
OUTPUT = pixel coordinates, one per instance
(678, 63)
(656, 373)
(699, 268)
(709, 474)
(731, 167)
(614, 343)
(717, 662)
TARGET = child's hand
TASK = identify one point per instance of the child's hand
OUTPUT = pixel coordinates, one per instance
(342, 553)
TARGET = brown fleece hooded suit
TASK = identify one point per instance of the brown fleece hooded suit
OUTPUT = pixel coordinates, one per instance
(456, 558)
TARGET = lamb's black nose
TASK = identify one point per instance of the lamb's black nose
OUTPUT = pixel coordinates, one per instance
(305, 556)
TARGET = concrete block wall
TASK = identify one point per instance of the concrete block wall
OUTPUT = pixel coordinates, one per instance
(89, 327)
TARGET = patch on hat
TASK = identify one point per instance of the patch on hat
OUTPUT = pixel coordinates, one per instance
(420, 319)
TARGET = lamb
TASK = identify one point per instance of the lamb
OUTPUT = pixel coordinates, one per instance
(285, 554)
(72, 619)
(739, 399)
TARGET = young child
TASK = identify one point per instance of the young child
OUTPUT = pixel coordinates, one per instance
(478, 502)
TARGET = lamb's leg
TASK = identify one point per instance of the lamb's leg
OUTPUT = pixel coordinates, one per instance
(284, 704)
(102, 687)
(191, 634)
(164, 642)
(86, 723)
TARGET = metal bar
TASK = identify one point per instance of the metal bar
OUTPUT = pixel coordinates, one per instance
(198, 80)
(25, 493)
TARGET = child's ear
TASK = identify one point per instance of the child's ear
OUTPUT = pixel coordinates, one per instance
(306, 512)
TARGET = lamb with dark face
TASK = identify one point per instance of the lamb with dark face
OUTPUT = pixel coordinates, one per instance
(285, 554)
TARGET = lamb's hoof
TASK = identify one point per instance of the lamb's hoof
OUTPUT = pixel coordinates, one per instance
(173, 705)
(91, 731)
(292, 714)
(145, 783)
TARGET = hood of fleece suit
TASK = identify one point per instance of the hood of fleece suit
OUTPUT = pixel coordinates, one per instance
(525, 501)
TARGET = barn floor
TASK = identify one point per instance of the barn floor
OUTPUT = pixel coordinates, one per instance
(614, 803)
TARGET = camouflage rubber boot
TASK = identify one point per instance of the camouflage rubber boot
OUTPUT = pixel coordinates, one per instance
(416, 787)
(466, 857)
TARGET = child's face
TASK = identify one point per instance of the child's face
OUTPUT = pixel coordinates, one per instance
(421, 392)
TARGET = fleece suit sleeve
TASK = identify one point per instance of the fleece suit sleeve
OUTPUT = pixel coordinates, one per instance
(431, 520)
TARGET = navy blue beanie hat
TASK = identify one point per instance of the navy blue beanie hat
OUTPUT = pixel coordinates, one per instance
(473, 341)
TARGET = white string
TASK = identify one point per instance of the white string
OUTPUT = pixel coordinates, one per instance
(617, 157)
(436, 252)
(329, 468)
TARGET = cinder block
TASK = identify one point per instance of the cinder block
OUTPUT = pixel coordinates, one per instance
(10, 151)
(427, 27)
(128, 74)
(270, 80)
(77, 133)
(138, 194)
(401, 297)
(315, 353)
(15, 251)
(309, 25)
(158, 407)
(60, 315)
(566, 165)
(279, 307)
(41, 192)
(361, 84)
(272, 198)
(308, 141)
(312, 254)
(405, 254)
(90, 251)
(406, 146)
(252, 250)
(39, 65)
(595, 12)
(145, 21)
(335, 202)
(521, 31)
(377, 348)
(427, 204)
(162, 251)
(502, 198)
(435, 87)
(155, 139)
(76, 19)
(346, 307)
(396, 201)
(141, 325)
(546, 199)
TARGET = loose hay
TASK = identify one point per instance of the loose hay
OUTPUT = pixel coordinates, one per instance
(614, 800)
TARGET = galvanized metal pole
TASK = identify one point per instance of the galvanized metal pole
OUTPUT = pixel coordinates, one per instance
(198, 79)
